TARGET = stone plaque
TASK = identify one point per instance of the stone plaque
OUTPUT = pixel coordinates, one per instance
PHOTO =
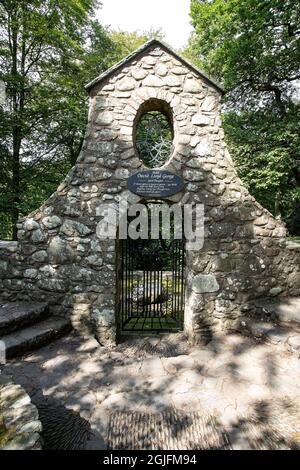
(155, 183)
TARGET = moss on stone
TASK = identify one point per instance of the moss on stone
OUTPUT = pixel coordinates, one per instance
(6, 435)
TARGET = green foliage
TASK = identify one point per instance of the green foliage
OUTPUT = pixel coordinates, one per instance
(265, 147)
(48, 51)
(252, 46)
(254, 49)
(43, 53)
(126, 42)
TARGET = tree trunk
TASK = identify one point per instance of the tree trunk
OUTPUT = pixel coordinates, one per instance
(277, 208)
(15, 181)
(18, 108)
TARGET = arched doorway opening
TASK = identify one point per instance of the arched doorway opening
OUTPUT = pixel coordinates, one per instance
(152, 282)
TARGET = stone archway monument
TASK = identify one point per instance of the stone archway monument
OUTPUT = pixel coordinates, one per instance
(60, 258)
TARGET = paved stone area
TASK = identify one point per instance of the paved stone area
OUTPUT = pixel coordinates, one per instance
(170, 430)
(252, 387)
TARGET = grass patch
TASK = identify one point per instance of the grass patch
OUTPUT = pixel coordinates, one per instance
(142, 325)
(295, 239)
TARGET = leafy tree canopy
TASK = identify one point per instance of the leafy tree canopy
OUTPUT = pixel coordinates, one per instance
(253, 47)
(49, 49)
(127, 42)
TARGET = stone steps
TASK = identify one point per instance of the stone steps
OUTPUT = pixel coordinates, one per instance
(16, 315)
(25, 326)
(35, 336)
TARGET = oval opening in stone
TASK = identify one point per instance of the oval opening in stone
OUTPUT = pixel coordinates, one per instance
(154, 134)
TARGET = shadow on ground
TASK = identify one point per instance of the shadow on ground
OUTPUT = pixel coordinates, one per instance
(249, 390)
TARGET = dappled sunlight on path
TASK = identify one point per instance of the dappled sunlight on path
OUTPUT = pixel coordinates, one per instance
(251, 387)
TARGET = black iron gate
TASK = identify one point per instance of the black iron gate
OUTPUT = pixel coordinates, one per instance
(152, 285)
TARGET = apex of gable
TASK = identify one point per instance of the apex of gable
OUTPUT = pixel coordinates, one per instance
(150, 45)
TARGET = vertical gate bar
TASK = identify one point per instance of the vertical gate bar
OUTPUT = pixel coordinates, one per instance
(175, 279)
(154, 293)
(138, 296)
(133, 277)
(128, 281)
(143, 291)
(157, 293)
(178, 280)
(127, 274)
(145, 307)
(132, 280)
(171, 294)
(125, 280)
(150, 293)
(154, 287)
(182, 282)
(178, 276)
(172, 286)
(161, 293)
(158, 304)
(149, 289)
(161, 290)
(120, 319)
(167, 290)
(123, 286)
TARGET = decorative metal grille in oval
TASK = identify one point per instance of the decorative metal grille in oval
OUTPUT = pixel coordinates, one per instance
(154, 139)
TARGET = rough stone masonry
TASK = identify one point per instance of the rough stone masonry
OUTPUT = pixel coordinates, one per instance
(58, 257)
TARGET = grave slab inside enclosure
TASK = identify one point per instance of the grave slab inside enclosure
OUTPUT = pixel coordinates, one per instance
(60, 259)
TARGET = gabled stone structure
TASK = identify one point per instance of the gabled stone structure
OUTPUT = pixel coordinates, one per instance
(59, 257)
